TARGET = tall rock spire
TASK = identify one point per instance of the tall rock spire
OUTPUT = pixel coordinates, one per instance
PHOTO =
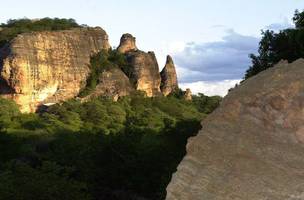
(168, 78)
(127, 43)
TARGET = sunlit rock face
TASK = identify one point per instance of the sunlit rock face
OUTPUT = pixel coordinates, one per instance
(48, 67)
(252, 146)
(144, 72)
(168, 78)
(127, 43)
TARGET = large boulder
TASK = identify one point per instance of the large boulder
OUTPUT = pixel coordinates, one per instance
(47, 67)
(252, 146)
(168, 78)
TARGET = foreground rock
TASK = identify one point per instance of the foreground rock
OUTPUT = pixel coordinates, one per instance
(48, 67)
(252, 146)
(168, 78)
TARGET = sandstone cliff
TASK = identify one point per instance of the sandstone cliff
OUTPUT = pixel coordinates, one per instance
(48, 67)
(168, 77)
(143, 67)
(144, 72)
(252, 146)
(42, 68)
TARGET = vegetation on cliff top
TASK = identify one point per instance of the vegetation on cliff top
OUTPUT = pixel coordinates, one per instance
(13, 27)
(286, 44)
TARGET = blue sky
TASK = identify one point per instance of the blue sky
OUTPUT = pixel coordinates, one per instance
(209, 40)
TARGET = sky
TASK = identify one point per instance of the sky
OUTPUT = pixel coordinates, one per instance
(208, 40)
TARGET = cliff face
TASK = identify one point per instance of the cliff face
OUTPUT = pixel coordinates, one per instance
(144, 72)
(42, 68)
(168, 77)
(48, 67)
(252, 146)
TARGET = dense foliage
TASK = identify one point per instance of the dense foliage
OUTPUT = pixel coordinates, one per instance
(14, 27)
(96, 150)
(287, 45)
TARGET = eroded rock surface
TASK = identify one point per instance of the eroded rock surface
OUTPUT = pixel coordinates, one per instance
(252, 146)
(144, 72)
(48, 67)
(168, 77)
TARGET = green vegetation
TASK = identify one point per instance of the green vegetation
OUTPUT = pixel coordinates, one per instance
(14, 27)
(273, 47)
(96, 150)
(102, 61)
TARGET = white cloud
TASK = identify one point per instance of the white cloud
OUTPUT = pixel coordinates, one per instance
(210, 88)
(216, 61)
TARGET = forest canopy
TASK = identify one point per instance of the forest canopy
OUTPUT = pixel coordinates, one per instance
(97, 150)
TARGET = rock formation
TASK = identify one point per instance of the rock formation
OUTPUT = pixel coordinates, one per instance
(143, 67)
(144, 72)
(112, 83)
(127, 43)
(48, 67)
(252, 146)
(43, 68)
(188, 95)
(168, 78)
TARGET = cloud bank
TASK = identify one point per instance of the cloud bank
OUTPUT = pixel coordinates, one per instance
(215, 61)
(210, 88)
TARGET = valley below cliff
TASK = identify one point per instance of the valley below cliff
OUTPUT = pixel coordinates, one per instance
(81, 120)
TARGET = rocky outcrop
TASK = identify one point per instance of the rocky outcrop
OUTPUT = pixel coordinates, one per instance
(144, 72)
(143, 68)
(127, 43)
(113, 83)
(168, 78)
(252, 146)
(48, 67)
(188, 95)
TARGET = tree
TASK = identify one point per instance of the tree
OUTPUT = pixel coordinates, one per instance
(287, 45)
(298, 19)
